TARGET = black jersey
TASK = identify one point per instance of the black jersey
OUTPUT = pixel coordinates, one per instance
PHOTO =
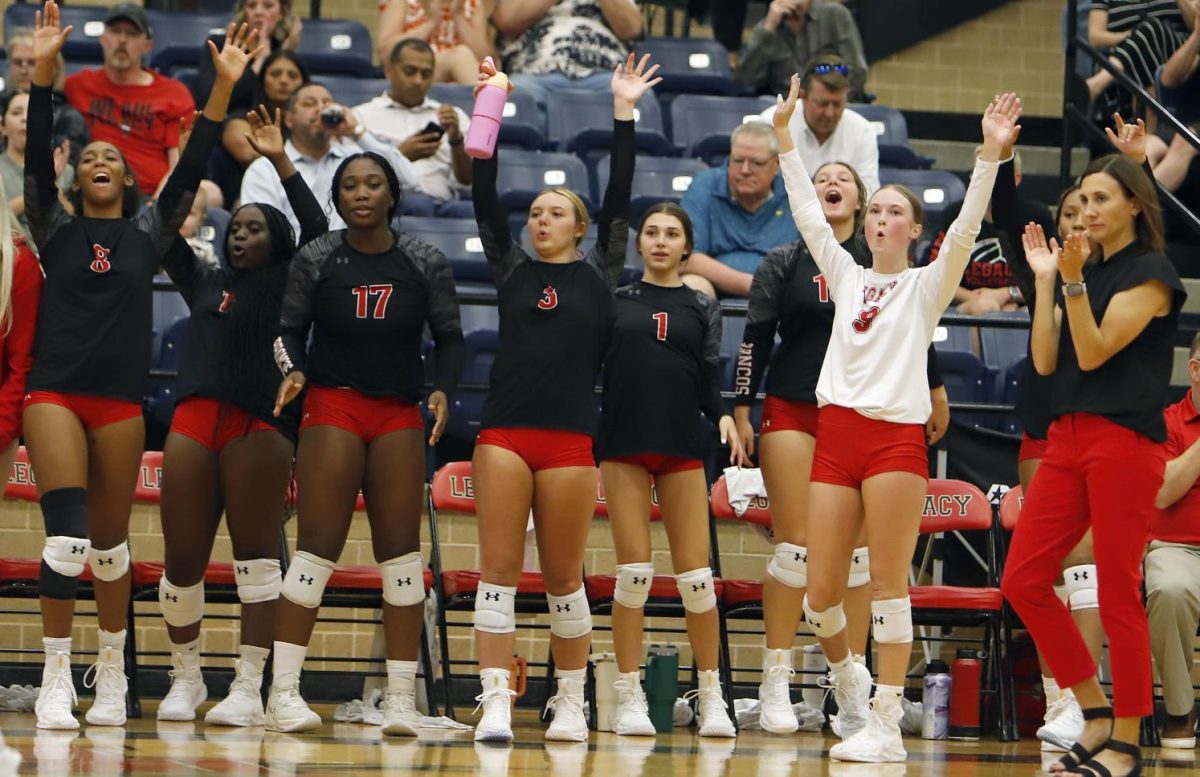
(95, 320)
(369, 312)
(661, 370)
(1130, 388)
(788, 293)
(554, 318)
(235, 319)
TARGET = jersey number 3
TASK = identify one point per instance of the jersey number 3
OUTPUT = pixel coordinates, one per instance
(661, 318)
(362, 295)
(100, 261)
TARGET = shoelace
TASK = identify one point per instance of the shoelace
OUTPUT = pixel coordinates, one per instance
(106, 679)
(631, 694)
(706, 695)
(246, 679)
(490, 697)
(399, 702)
(572, 701)
(57, 681)
(778, 678)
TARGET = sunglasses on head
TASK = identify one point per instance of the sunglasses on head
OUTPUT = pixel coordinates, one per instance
(825, 68)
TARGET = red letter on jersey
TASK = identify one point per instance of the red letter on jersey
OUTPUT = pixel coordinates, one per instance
(549, 300)
(100, 263)
(661, 318)
(865, 317)
(361, 295)
(226, 301)
(822, 287)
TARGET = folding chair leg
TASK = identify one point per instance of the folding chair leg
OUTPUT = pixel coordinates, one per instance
(427, 673)
(447, 678)
(549, 691)
(133, 703)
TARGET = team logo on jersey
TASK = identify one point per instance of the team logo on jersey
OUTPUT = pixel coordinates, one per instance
(100, 261)
(549, 300)
(226, 302)
(865, 317)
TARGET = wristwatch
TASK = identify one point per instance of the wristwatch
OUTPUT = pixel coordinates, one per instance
(1076, 289)
(1014, 294)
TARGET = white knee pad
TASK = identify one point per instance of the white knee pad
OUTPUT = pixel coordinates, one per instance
(109, 565)
(258, 580)
(891, 621)
(403, 580)
(66, 555)
(697, 590)
(1081, 584)
(825, 623)
(570, 616)
(789, 565)
(180, 606)
(494, 608)
(633, 584)
(860, 569)
(306, 579)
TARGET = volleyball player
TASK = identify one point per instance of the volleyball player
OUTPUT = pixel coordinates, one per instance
(788, 295)
(661, 370)
(83, 413)
(870, 465)
(226, 451)
(367, 293)
(535, 450)
(20, 289)
(1105, 337)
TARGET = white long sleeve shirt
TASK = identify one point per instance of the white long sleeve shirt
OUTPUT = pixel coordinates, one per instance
(883, 322)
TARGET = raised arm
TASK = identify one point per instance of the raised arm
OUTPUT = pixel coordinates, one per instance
(42, 207)
(266, 137)
(1046, 326)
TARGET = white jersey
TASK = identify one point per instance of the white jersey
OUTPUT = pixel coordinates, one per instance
(883, 323)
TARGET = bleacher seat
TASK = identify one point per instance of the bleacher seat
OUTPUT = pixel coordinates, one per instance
(580, 121)
(1000, 347)
(458, 239)
(891, 133)
(168, 307)
(179, 38)
(466, 406)
(161, 402)
(523, 125)
(937, 189)
(689, 65)
(969, 380)
(88, 21)
(351, 91)
(337, 46)
(700, 124)
(655, 179)
(525, 174)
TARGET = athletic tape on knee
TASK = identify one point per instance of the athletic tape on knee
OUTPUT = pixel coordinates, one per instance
(1081, 584)
(306, 579)
(494, 608)
(825, 623)
(180, 606)
(697, 590)
(403, 580)
(789, 565)
(570, 616)
(633, 584)
(258, 580)
(860, 569)
(111, 564)
(64, 511)
(891, 621)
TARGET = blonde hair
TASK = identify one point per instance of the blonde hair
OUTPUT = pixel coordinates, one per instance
(8, 256)
(577, 204)
(287, 18)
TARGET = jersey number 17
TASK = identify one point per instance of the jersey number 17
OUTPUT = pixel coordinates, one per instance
(362, 294)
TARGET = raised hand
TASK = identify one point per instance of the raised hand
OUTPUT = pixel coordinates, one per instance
(1129, 139)
(241, 46)
(48, 35)
(785, 108)
(999, 123)
(1042, 256)
(1074, 253)
(265, 135)
(632, 79)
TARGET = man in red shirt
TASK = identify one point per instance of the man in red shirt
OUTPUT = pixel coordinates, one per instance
(1173, 563)
(135, 109)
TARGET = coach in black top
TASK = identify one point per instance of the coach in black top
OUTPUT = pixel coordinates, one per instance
(83, 422)
(535, 450)
(1105, 335)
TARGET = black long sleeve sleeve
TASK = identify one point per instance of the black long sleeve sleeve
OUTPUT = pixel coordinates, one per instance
(933, 369)
(503, 253)
(162, 221)
(443, 317)
(1006, 218)
(312, 218)
(712, 404)
(762, 320)
(608, 255)
(42, 208)
(299, 304)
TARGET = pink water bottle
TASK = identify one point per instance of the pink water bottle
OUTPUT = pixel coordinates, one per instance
(486, 116)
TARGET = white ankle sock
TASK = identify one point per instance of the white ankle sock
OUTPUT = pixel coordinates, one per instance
(493, 679)
(254, 655)
(289, 659)
(401, 675)
(578, 675)
(887, 697)
(840, 667)
(773, 657)
(112, 639)
(633, 678)
(708, 678)
(1053, 692)
(55, 645)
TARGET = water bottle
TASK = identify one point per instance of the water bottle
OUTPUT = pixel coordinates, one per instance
(935, 702)
(604, 670)
(662, 685)
(485, 117)
(967, 672)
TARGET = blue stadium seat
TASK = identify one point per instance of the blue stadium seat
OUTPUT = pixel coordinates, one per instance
(580, 121)
(969, 380)
(938, 189)
(189, 77)
(1010, 390)
(955, 338)
(351, 91)
(88, 21)
(168, 308)
(342, 46)
(525, 174)
(458, 239)
(891, 130)
(690, 65)
(1002, 347)
(162, 398)
(700, 124)
(655, 179)
(633, 260)
(523, 126)
(179, 38)
(478, 317)
(466, 406)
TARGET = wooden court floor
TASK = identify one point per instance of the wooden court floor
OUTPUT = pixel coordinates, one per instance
(147, 747)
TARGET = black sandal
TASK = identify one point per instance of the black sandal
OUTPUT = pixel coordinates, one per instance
(1078, 754)
(1093, 769)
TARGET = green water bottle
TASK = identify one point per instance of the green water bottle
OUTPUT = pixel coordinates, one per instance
(662, 685)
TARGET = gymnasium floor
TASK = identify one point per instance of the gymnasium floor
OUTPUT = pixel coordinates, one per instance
(146, 747)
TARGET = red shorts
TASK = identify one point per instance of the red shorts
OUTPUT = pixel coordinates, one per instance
(658, 465)
(361, 415)
(93, 412)
(542, 448)
(1032, 448)
(852, 448)
(787, 415)
(214, 424)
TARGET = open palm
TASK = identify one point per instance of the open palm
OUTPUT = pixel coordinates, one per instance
(239, 48)
(633, 79)
(1042, 256)
(265, 136)
(48, 34)
(1000, 119)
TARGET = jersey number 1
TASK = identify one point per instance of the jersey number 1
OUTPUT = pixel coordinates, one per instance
(661, 318)
(362, 293)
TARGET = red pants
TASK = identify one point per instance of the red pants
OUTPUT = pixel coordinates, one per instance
(366, 416)
(214, 424)
(786, 415)
(542, 448)
(852, 448)
(92, 412)
(658, 465)
(1097, 470)
(1031, 448)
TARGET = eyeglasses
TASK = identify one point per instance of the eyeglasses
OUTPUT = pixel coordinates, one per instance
(825, 68)
(755, 164)
(22, 63)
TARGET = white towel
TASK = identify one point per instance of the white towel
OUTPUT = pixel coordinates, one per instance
(743, 485)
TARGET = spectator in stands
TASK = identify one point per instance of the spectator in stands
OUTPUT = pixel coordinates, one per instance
(191, 231)
(791, 35)
(323, 133)
(402, 116)
(1173, 563)
(13, 106)
(826, 130)
(1142, 36)
(739, 211)
(135, 109)
(68, 123)
(457, 30)
(547, 45)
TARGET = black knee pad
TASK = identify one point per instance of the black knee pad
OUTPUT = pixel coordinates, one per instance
(64, 511)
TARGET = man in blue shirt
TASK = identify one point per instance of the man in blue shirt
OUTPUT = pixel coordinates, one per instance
(739, 211)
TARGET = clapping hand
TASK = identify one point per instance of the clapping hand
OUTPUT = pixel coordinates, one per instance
(1042, 256)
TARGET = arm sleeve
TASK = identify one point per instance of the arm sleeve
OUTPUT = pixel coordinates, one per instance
(832, 260)
(162, 221)
(405, 170)
(933, 369)
(184, 267)
(502, 252)
(446, 326)
(762, 319)
(313, 221)
(755, 59)
(711, 403)
(298, 310)
(1006, 216)
(960, 238)
(43, 211)
(608, 255)
(18, 343)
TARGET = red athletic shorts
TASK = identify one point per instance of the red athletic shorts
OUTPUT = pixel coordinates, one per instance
(852, 448)
(1032, 448)
(658, 465)
(787, 415)
(214, 424)
(542, 448)
(359, 414)
(93, 412)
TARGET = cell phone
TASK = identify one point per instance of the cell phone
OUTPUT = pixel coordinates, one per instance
(332, 117)
(434, 127)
